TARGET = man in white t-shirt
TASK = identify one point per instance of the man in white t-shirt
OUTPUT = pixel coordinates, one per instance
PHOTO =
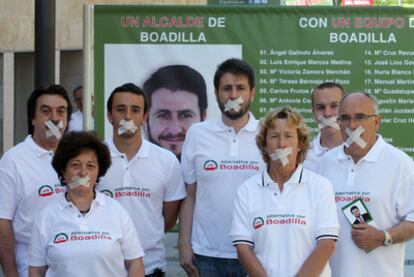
(368, 168)
(76, 120)
(325, 102)
(218, 155)
(145, 178)
(27, 180)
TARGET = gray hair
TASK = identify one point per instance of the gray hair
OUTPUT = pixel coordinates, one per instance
(371, 97)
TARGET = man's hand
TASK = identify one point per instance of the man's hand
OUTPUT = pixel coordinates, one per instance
(367, 237)
(7, 260)
(187, 259)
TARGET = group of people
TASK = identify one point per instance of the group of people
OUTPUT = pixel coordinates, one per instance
(252, 198)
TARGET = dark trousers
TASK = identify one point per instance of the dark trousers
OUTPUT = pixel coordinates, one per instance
(157, 273)
(218, 267)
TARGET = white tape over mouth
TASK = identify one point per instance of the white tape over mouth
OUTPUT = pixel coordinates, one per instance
(53, 130)
(234, 105)
(78, 181)
(282, 155)
(325, 122)
(127, 125)
(355, 136)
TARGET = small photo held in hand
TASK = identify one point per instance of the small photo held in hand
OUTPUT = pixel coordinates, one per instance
(356, 212)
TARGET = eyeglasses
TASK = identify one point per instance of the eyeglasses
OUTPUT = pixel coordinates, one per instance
(359, 118)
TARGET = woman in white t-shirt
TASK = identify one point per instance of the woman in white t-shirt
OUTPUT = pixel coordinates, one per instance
(83, 232)
(284, 219)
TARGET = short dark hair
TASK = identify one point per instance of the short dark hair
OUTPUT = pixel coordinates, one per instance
(128, 87)
(32, 103)
(76, 89)
(177, 77)
(354, 208)
(236, 67)
(73, 144)
(327, 85)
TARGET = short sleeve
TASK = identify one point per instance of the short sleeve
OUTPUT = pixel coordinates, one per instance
(188, 158)
(327, 225)
(241, 230)
(131, 246)
(8, 189)
(405, 195)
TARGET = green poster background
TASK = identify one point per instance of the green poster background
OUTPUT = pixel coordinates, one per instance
(292, 49)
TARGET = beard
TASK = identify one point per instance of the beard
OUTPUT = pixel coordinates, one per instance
(128, 135)
(166, 141)
(231, 114)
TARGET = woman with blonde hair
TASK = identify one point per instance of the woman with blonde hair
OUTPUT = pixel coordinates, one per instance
(284, 219)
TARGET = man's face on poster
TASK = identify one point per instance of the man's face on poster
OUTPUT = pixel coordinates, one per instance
(356, 212)
(170, 115)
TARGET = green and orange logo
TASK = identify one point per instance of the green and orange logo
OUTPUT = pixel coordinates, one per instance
(45, 191)
(210, 165)
(60, 238)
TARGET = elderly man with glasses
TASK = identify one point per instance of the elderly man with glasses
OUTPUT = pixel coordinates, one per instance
(368, 168)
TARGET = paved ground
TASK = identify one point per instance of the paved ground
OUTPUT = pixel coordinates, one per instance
(173, 264)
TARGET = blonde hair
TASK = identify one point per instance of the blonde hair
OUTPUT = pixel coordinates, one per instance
(294, 119)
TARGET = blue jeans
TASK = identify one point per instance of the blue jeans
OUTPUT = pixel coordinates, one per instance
(218, 267)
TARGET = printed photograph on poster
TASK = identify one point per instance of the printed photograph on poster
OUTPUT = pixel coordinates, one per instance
(356, 212)
(178, 80)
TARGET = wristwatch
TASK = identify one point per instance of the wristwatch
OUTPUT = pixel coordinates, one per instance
(388, 239)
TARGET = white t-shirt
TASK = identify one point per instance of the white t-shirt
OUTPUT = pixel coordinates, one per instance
(152, 177)
(384, 179)
(219, 160)
(27, 183)
(76, 121)
(315, 153)
(284, 227)
(96, 244)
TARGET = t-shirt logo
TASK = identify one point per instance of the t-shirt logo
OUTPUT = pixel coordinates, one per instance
(107, 192)
(210, 165)
(60, 238)
(45, 191)
(258, 222)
